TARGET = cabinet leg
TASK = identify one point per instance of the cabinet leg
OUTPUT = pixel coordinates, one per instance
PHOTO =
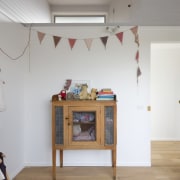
(114, 163)
(54, 164)
(61, 158)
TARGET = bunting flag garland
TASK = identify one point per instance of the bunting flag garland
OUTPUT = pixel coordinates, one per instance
(104, 40)
(120, 36)
(72, 42)
(56, 40)
(134, 30)
(40, 36)
(88, 43)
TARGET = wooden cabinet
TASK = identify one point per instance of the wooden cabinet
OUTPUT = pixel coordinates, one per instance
(83, 124)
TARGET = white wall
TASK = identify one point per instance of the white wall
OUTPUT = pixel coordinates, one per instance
(13, 38)
(113, 67)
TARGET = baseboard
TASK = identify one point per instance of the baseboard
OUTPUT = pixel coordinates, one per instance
(134, 164)
(87, 164)
(36, 164)
(165, 139)
(130, 164)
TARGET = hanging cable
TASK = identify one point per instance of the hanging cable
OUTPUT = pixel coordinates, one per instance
(24, 50)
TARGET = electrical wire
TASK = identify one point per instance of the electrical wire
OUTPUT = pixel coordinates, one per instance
(24, 50)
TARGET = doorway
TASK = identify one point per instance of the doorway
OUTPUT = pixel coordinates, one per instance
(165, 96)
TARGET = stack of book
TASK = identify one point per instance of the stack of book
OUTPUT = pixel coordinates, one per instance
(105, 94)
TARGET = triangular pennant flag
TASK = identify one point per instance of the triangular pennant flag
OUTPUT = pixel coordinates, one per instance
(88, 43)
(120, 36)
(40, 36)
(71, 42)
(137, 39)
(138, 73)
(104, 40)
(137, 56)
(134, 30)
(56, 40)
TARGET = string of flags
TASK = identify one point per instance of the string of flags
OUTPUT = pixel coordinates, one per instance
(136, 40)
(104, 40)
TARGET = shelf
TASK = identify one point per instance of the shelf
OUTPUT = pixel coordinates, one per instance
(84, 122)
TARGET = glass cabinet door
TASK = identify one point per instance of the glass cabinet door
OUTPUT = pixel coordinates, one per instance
(83, 125)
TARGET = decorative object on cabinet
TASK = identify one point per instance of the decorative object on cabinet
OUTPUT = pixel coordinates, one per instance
(83, 124)
(93, 94)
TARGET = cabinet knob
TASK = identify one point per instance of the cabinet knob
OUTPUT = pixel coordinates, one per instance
(69, 124)
(66, 118)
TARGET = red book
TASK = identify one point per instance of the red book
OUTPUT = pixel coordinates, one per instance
(102, 92)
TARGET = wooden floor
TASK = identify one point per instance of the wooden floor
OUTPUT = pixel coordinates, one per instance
(165, 166)
(165, 153)
(101, 173)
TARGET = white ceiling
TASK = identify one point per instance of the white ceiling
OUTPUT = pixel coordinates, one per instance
(141, 12)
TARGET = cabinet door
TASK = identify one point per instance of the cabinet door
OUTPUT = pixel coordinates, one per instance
(109, 125)
(84, 126)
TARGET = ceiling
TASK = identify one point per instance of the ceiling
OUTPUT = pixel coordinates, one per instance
(121, 12)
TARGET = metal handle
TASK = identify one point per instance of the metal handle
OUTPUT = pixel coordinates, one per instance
(68, 121)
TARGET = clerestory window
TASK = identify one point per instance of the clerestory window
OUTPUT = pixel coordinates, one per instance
(80, 19)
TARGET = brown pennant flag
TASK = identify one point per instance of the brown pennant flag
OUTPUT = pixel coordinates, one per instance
(137, 56)
(88, 43)
(137, 39)
(134, 30)
(138, 73)
(40, 36)
(120, 36)
(104, 40)
(56, 40)
(71, 42)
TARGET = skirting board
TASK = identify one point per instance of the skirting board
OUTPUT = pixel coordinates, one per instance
(165, 139)
(131, 164)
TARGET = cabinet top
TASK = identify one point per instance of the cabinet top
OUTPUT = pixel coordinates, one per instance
(55, 101)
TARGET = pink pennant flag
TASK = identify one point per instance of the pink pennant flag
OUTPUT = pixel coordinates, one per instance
(40, 36)
(135, 32)
(56, 40)
(71, 42)
(104, 40)
(120, 36)
(137, 56)
(88, 43)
